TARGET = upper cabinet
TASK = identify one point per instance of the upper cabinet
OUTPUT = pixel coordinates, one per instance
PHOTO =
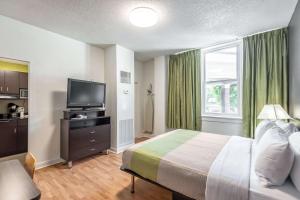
(23, 80)
(13, 77)
(11, 82)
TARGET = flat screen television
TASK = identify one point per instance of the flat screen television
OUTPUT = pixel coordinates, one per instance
(85, 94)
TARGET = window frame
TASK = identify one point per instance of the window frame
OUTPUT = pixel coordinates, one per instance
(239, 45)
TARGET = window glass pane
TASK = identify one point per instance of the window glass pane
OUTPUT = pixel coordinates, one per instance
(221, 65)
(213, 98)
(234, 98)
(221, 81)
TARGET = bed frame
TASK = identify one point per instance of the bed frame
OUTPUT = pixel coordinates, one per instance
(175, 195)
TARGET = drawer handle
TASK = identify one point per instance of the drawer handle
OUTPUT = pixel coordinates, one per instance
(92, 140)
(92, 132)
(93, 149)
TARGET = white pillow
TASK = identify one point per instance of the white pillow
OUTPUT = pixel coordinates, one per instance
(294, 140)
(262, 128)
(274, 157)
(289, 128)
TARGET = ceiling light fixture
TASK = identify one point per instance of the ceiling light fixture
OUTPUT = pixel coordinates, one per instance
(143, 17)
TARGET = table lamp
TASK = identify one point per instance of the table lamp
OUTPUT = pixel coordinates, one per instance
(273, 112)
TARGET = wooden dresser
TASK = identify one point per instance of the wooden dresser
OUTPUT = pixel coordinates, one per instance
(84, 137)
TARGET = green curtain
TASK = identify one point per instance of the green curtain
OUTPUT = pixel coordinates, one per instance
(265, 75)
(184, 88)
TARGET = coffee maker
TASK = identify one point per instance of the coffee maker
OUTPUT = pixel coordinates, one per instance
(12, 110)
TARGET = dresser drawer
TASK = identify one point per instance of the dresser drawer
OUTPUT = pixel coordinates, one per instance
(100, 134)
(86, 151)
(89, 136)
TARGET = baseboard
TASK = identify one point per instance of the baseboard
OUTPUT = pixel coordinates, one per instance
(120, 149)
(113, 150)
(148, 135)
(48, 163)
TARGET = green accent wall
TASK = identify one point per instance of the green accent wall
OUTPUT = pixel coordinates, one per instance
(13, 67)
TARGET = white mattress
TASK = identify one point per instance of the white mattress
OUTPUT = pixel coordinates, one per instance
(259, 192)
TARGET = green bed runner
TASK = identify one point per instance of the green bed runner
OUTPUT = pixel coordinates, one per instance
(146, 158)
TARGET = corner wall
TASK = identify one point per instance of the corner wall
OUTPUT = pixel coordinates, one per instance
(138, 98)
(294, 64)
(144, 75)
(53, 58)
(160, 96)
(148, 77)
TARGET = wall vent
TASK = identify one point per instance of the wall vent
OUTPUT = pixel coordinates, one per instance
(126, 135)
(125, 77)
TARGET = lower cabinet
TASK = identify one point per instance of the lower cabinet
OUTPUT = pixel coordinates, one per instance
(8, 141)
(13, 137)
(22, 136)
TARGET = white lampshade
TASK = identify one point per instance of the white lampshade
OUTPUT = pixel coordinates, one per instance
(273, 112)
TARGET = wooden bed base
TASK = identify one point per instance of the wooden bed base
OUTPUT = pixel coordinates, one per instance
(175, 195)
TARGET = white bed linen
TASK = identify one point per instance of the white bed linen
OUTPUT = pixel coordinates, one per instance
(258, 192)
(228, 177)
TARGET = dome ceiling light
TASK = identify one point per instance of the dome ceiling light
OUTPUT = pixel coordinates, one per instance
(143, 17)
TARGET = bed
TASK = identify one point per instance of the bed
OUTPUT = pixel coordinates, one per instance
(194, 165)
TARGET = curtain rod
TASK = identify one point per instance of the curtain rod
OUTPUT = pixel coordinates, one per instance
(229, 41)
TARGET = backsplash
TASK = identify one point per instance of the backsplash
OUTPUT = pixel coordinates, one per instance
(19, 102)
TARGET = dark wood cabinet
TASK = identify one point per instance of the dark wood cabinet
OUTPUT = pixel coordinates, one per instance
(11, 82)
(1, 81)
(84, 137)
(22, 136)
(13, 137)
(8, 141)
(23, 80)
(13, 131)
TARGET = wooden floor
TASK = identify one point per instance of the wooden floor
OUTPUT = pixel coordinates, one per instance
(94, 178)
(141, 139)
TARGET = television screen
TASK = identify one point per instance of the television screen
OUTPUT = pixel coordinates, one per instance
(85, 94)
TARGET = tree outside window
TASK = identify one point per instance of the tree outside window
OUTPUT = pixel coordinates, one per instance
(221, 83)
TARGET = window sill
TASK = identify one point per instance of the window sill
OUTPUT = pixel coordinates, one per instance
(221, 116)
(222, 119)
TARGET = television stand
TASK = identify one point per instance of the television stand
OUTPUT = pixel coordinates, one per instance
(84, 137)
(90, 109)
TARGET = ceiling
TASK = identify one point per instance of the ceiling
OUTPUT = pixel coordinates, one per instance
(183, 24)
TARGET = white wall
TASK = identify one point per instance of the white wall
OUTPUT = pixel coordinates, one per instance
(160, 88)
(53, 58)
(111, 90)
(125, 62)
(154, 72)
(222, 126)
(294, 62)
(148, 77)
(125, 99)
(138, 98)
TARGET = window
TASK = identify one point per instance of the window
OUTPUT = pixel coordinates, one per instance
(221, 80)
